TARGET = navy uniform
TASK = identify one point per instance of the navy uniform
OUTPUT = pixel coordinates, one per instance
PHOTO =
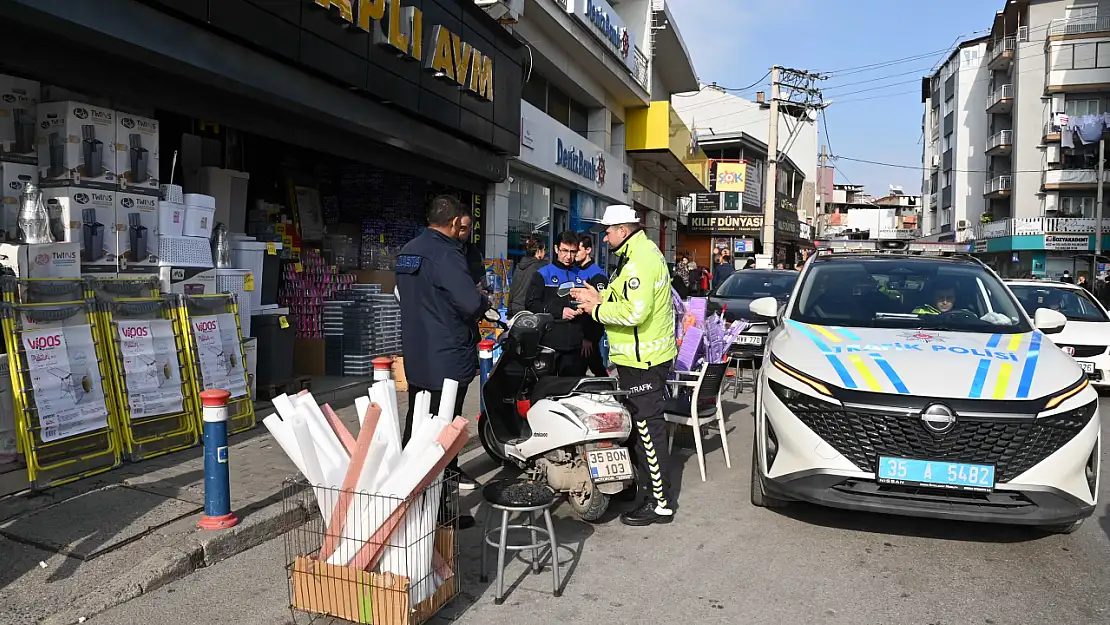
(565, 337)
(593, 331)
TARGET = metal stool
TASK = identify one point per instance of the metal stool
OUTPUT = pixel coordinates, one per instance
(737, 360)
(523, 497)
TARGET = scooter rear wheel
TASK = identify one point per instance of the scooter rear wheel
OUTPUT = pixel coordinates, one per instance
(590, 506)
(489, 440)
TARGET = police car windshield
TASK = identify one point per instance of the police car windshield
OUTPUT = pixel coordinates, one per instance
(906, 292)
(1075, 304)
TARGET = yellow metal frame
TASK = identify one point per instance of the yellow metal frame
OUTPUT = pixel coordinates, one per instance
(74, 457)
(240, 410)
(150, 436)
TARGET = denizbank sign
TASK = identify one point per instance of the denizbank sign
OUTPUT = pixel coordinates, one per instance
(600, 18)
(401, 29)
(567, 157)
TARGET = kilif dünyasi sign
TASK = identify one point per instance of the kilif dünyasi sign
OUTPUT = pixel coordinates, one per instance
(603, 21)
(401, 29)
(567, 157)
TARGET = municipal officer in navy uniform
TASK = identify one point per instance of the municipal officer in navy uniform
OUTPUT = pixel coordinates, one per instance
(440, 307)
(592, 330)
(565, 334)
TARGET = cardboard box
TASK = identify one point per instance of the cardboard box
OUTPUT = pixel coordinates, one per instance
(12, 177)
(46, 260)
(308, 356)
(77, 145)
(136, 227)
(362, 597)
(399, 378)
(87, 218)
(137, 153)
(188, 280)
(387, 279)
(18, 119)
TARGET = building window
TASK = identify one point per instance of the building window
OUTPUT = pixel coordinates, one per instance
(534, 91)
(558, 105)
(529, 213)
(1079, 56)
(579, 119)
(1079, 108)
(1076, 207)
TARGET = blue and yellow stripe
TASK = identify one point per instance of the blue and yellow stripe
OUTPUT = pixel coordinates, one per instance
(1030, 367)
(833, 334)
(1011, 343)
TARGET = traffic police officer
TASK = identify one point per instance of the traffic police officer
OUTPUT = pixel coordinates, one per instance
(636, 312)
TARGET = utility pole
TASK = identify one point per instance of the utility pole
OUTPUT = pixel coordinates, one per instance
(795, 89)
(824, 162)
(1098, 213)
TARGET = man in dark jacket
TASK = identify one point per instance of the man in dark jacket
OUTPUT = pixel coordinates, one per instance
(592, 331)
(723, 270)
(440, 305)
(565, 334)
(534, 253)
(475, 262)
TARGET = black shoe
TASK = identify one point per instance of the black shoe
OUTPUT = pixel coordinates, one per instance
(466, 521)
(647, 514)
(467, 483)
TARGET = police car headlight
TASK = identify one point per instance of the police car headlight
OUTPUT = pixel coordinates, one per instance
(1071, 391)
(801, 377)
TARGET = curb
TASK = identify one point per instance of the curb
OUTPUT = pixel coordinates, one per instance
(195, 551)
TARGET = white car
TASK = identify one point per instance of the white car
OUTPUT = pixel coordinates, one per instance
(916, 385)
(1086, 336)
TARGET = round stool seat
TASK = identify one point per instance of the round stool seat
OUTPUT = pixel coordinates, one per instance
(518, 494)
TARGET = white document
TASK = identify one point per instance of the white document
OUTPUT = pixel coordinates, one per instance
(220, 353)
(65, 379)
(150, 367)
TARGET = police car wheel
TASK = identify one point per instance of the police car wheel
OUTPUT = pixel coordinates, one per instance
(759, 497)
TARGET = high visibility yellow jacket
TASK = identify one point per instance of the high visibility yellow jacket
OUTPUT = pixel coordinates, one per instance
(636, 308)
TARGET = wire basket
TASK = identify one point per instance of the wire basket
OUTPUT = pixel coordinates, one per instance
(401, 574)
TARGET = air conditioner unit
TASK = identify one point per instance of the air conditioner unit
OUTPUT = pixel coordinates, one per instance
(504, 11)
(936, 160)
(961, 224)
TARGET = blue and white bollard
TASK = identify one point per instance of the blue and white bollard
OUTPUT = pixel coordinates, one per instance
(485, 366)
(217, 474)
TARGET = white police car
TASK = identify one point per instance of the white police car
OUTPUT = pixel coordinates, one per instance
(913, 383)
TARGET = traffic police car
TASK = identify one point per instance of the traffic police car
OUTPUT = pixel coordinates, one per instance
(904, 380)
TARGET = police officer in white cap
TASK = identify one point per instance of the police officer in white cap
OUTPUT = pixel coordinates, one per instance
(636, 312)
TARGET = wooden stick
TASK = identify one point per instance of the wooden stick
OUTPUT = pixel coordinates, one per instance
(452, 440)
(341, 430)
(347, 494)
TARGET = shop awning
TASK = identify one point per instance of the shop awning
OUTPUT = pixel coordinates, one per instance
(660, 142)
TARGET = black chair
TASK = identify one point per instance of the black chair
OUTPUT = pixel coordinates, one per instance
(699, 406)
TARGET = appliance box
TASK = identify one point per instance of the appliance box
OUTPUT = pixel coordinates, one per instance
(188, 280)
(46, 260)
(87, 217)
(137, 153)
(76, 145)
(136, 229)
(18, 119)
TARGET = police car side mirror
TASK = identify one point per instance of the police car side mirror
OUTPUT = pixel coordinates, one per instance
(765, 308)
(1049, 321)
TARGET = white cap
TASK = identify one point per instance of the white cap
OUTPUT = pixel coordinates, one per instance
(617, 214)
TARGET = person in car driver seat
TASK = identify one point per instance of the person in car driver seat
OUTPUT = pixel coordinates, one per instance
(944, 300)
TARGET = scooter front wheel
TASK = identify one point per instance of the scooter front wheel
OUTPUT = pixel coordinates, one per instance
(489, 440)
(590, 505)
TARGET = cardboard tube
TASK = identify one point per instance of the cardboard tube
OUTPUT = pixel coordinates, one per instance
(313, 471)
(340, 430)
(447, 401)
(350, 481)
(361, 405)
(283, 434)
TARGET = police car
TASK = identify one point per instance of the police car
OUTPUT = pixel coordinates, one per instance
(903, 380)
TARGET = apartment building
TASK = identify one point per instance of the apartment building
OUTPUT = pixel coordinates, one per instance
(596, 123)
(1046, 73)
(956, 127)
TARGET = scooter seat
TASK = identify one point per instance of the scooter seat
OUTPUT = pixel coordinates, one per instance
(554, 386)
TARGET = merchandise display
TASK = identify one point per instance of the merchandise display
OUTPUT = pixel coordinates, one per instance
(44, 260)
(65, 378)
(136, 229)
(13, 179)
(77, 144)
(9, 441)
(18, 119)
(308, 284)
(86, 217)
(701, 338)
(137, 153)
(219, 353)
(150, 368)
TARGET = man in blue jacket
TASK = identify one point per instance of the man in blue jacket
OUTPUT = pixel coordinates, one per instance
(440, 304)
(592, 330)
(565, 334)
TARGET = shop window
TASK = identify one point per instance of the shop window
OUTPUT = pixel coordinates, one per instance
(558, 105)
(529, 214)
(579, 119)
(534, 91)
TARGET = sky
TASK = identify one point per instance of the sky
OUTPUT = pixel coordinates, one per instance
(878, 116)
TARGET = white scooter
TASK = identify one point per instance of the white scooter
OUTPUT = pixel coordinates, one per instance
(566, 432)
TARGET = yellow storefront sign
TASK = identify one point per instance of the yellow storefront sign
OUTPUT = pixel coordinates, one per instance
(731, 177)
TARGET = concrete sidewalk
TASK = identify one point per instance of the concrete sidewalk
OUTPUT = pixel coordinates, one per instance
(79, 549)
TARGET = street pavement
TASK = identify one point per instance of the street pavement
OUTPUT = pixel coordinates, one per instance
(723, 561)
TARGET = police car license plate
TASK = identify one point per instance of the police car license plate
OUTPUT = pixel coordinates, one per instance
(1088, 367)
(609, 465)
(950, 475)
(749, 340)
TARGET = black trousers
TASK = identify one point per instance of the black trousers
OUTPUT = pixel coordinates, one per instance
(595, 362)
(646, 389)
(570, 364)
(460, 398)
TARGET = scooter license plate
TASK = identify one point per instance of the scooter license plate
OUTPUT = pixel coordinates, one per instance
(609, 465)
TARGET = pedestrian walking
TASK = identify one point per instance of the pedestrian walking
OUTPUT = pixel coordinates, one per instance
(681, 279)
(592, 330)
(723, 270)
(535, 251)
(440, 305)
(636, 312)
(566, 334)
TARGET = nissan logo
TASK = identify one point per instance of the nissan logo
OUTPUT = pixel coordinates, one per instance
(938, 419)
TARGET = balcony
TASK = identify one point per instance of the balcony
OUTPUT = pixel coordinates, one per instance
(999, 186)
(1056, 179)
(1002, 52)
(641, 72)
(1051, 133)
(1001, 100)
(1034, 226)
(1000, 142)
(1078, 27)
(932, 201)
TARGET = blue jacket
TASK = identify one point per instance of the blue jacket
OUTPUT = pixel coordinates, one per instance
(543, 297)
(439, 307)
(594, 276)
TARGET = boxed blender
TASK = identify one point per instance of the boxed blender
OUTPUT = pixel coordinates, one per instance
(137, 152)
(12, 178)
(137, 229)
(76, 145)
(86, 217)
(18, 99)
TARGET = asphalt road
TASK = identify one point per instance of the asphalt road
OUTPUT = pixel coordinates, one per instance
(723, 561)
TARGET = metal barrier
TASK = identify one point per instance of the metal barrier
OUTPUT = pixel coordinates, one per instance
(154, 392)
(216, 357)
(59, 369)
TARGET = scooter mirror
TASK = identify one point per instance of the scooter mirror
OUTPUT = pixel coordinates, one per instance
(492, 314)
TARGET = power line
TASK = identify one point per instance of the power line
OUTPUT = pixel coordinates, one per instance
(923, 168)
(861, 82)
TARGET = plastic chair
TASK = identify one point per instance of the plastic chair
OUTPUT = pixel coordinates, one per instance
(701, 407)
